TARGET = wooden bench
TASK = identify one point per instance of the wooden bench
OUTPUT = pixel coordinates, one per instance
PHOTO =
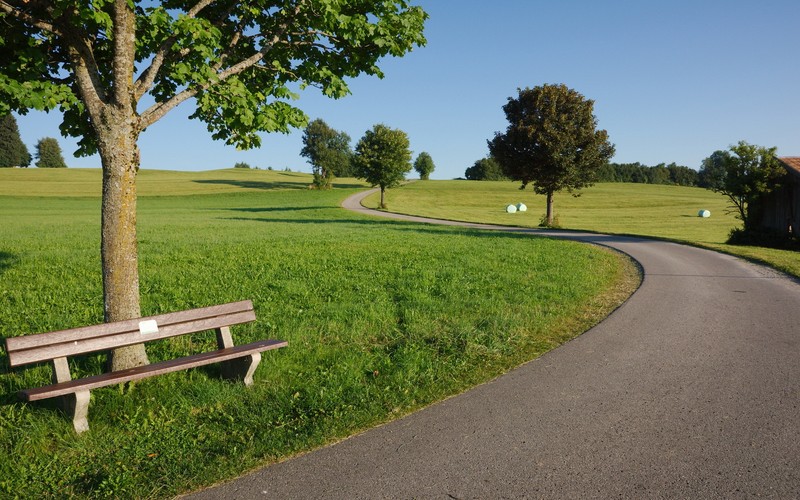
(239, 362)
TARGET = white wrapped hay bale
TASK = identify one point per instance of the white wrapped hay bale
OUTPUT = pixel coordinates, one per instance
(704, 213)
(521, 207)
(511, 209)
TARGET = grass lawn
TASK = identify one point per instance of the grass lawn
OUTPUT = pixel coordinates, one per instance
(616, 208)
(382, 318)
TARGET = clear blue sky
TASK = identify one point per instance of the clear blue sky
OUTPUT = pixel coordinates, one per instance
(672, 82)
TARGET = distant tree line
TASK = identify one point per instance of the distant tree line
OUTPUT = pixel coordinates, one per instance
(673, 174)
(488, 169)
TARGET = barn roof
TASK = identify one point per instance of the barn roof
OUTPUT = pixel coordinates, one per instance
(792, 164)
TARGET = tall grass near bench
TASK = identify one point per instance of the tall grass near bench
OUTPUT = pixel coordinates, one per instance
(382, 318)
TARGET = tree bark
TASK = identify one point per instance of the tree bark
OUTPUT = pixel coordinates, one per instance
(550, 209)
(383, 192)
(119, 253)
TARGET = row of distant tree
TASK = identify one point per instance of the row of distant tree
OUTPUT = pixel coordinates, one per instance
(382, 156)
(14, 153)
(659, 174)
(488, 169)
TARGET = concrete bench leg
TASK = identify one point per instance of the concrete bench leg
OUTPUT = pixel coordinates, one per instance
(77, 406)
(242, 368)
(237, 369)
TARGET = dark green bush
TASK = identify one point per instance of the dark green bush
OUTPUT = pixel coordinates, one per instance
(763, 237)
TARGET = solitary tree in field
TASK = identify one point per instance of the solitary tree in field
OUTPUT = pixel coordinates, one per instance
(424, 165)
(551, 141)
(745, 174)
(48, 154)
(328, 151)
(13, 152)
(115, 67)
(383, 158)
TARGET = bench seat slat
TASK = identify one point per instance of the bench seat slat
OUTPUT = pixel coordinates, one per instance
(140, 372)
(23, 350)
(103, 329)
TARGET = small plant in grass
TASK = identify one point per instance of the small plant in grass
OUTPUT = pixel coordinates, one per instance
(554, 223)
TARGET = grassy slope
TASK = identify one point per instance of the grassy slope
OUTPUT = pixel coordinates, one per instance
(639, 209)
(382, 317)
(87, 182)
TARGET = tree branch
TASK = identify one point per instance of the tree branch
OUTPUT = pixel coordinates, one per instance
(145, 81)
(89, 86)
(124, 52)
(29, 19)
(158, 110)
(78, 47)
(237, 35)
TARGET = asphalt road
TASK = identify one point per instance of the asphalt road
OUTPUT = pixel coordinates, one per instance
(690, 390)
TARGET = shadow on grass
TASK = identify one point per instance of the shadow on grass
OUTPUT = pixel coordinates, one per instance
(277, 209)
(454, 229)
(358, 222)
(293, 184)
(256, 184)
(6, 259)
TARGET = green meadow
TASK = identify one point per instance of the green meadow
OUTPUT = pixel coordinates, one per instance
(658, 211)
(382, 318)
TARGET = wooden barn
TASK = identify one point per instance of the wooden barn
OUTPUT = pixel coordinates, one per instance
(781, 210)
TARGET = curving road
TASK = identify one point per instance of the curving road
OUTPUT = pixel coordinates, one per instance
(690, 390)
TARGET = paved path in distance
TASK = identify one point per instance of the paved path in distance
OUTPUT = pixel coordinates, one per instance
(691, 389)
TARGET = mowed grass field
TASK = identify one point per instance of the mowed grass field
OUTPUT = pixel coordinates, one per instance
(657, 211)
(382, 318)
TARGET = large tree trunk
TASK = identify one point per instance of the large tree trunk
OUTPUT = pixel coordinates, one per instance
(119, 254)
(550, 209)
(118, 128)
(383, 197)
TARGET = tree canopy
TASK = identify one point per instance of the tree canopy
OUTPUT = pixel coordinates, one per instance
(115, 67)
(745, 174)
(48, 154)
(328, 151)
(13, 152)
(712, 171)
(424, 165)
(551, 142)
(383, 158)
(485, 169)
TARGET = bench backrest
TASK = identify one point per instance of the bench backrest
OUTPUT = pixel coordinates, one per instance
(46, 346)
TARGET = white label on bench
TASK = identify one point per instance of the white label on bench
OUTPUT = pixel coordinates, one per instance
(148, 327)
